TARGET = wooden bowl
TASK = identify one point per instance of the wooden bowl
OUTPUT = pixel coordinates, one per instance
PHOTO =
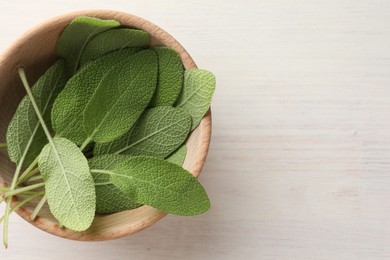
(35, 50)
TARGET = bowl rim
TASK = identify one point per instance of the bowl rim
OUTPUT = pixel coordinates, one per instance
(203, 130)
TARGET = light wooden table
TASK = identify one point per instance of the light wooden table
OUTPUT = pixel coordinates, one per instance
(299, 165)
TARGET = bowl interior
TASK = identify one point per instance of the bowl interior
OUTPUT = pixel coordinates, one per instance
(35, 50)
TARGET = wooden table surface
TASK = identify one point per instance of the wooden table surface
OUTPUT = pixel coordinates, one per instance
(299, 164)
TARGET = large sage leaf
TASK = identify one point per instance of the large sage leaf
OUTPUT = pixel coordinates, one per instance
(160, 184)
(158, 132)
(109, 199)
(178, 156)
(68, 109)
(113, 40)
(69, 186)
(121, 97)
(25, 133)
(76, 36)
(170, 77)
(195, 98)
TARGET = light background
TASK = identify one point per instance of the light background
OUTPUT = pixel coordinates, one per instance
(299, 164)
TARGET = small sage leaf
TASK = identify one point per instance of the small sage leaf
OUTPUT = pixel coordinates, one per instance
(68, 108)
(121, 97)
(109, 199)
(178, 156)
(76, 36)
(25, 133)
(69, 185)
(113, 40)
(158, 132)
(195, 98)
(170, 77)
(160, 184)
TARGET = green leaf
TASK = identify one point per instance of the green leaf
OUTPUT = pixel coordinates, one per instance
(25, 133)
(113, 40)
(160, 184)
(109, 199)
(121, 97)
(68, 109)
(76, 36)
(195, 98)
(178, 157)
(158, 132)
(69, 184)
(170, 78)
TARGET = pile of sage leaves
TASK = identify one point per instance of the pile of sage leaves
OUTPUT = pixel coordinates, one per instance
(103, 129)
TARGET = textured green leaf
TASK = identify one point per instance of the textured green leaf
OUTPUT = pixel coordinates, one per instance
(158, 132)
(24, 131)
(109, 199)
(160, 184)
(113, 40)
(198, 90)
(178, 156)
(76, 36)
(170, 78)
(67, 114)
(121, 97)
(69, 185)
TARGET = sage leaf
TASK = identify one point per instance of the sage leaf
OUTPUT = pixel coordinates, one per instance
(68, 108)
(69, 184)
(195, 98)
(121, 97)
(113, 40)
(178, 156)
(25, 133)
(170, 77)
(109, 199)
(158, 132)
(160, 184)
(76, 36)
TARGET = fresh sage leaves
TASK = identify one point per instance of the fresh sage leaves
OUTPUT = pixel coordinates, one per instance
(69, 186)
(119, 100)
(170, 77)
(104, 129)
(25, 133)
(109, 199)
(196, 95)
(68, 110)
(160, 184)
(76, 36)
(158, 133)
(114, 40)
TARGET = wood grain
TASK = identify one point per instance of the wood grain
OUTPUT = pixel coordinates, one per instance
(299, 163)
(35, 50)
